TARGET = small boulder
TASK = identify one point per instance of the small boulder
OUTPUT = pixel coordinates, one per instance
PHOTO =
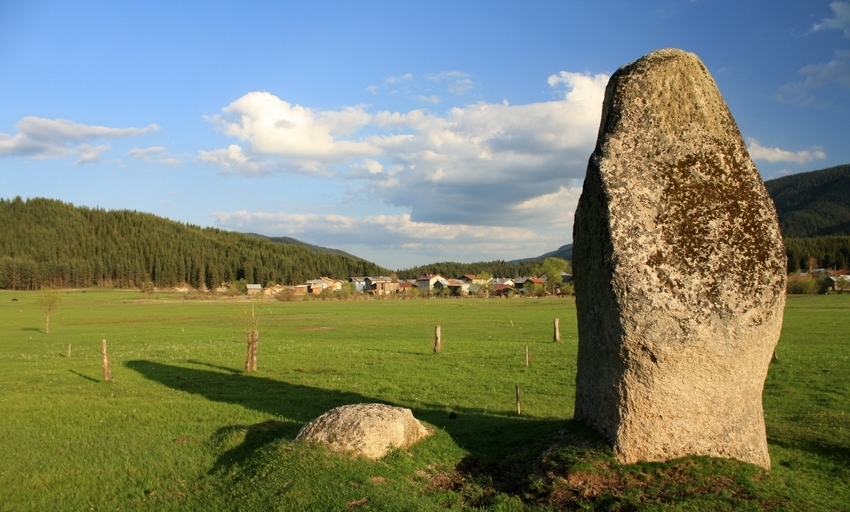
(371, 430)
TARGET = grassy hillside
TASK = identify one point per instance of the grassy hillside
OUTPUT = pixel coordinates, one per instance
(50, 243)
(813, 204)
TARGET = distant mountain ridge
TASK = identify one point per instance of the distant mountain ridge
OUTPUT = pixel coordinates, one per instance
(812, 204)
(565, 252)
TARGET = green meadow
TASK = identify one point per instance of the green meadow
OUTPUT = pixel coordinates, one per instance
(182, 427)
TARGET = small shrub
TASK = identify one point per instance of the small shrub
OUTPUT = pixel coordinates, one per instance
(286, 295)
(802, 284)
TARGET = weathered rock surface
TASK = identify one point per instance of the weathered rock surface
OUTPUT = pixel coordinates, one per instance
(679, 271)
(371, 430)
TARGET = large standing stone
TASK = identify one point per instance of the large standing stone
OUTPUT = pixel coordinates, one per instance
(679, 271)
(371, 430)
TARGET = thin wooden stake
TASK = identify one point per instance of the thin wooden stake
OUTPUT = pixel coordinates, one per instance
(255, 348)
(253, 338)
(69, 351)
(526, 355)
(107, 374)
(557, 330)
(518, 404)
(512, 323)
(438, 339)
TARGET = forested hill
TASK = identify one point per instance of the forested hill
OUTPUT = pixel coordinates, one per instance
(44, 242)
(813, 204)
(293, 241)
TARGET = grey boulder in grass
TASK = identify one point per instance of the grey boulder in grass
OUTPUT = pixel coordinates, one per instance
(371, 430)
(679, 270)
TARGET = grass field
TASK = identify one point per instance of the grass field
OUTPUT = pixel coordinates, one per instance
(183, 428)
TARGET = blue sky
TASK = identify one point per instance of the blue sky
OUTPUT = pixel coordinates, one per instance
(405, 133)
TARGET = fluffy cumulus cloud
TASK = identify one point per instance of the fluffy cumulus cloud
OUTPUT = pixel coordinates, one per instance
(232, 160)
(471, 165)
(777, 155)
(58, 138)
(483, 180)
(297, 137)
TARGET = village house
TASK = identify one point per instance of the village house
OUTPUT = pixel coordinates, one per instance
(381, 285)
(316, 286)
(457, 287)
(359, 283)
(332, 284)
(428, 282)
(838, 282)
(502, 290)
(533, 282)
(504, 281)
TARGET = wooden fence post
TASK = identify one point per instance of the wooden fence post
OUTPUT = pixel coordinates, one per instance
(107, 374)
(255, 348)
(69, 351)
(438, 340)
(526, 355)
(251, 353)
(557, 330)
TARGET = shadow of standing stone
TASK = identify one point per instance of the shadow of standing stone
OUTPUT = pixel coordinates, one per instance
(679, 269)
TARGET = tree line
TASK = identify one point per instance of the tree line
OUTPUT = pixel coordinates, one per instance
(451, 269)
(818, 252)
(48, 243)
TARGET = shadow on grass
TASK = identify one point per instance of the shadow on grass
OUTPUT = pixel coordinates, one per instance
(78, 374)
(502, 448)
(215, 366)
(837, 454)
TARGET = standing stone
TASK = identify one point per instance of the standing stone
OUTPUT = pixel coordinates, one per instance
(679, 269)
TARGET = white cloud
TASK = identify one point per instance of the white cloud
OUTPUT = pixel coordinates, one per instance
(458, 82)
(58, 138)
(147, 153)
(836, 71)
(434, 100)
(480, 165)
(399, 79)
(774, 155)
(231, 160)
(304, 139)
(90, 154)
(366, 169)
(839, 21)
(395, 233)
(554, 211)
(154, 154)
